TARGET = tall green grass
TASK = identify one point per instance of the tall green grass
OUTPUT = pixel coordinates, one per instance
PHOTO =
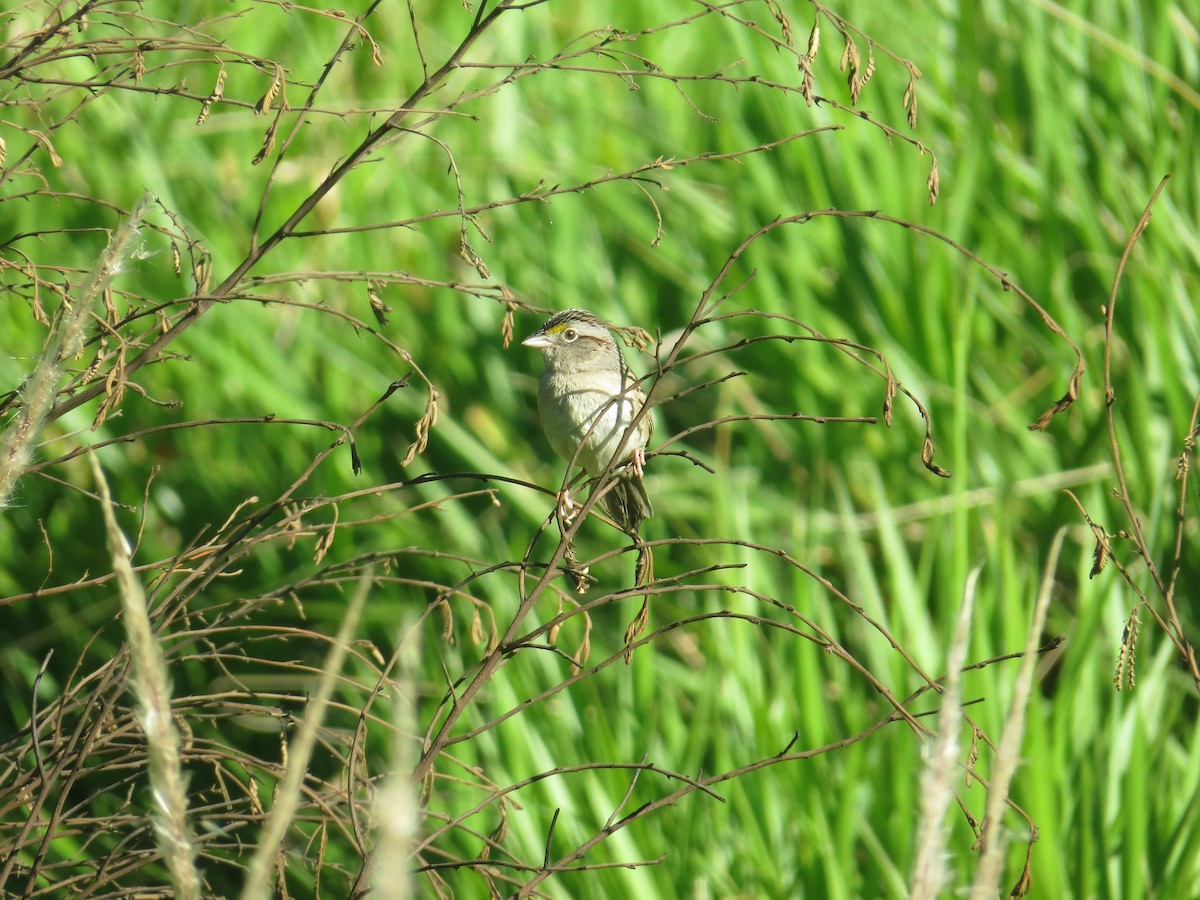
(1052, 125)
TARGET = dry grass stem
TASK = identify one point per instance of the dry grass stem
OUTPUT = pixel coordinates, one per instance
(1008, 753)
(287, 795)
(153, 690)
(397, 808)
(38, 393)
(930, 873)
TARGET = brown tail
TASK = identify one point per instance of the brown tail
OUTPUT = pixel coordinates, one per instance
(627, 502)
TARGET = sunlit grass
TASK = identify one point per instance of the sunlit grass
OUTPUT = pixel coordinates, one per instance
(1049, 144)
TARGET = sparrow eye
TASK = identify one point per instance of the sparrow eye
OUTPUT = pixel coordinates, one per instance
(570, 335)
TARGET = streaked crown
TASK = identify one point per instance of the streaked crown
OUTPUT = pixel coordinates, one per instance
(573, 318)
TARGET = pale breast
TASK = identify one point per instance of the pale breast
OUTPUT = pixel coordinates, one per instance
(568, 412)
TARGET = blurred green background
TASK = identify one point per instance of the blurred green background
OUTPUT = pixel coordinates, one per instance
(1052, 125)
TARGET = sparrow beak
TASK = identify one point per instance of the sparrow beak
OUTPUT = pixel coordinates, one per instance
(538, 341)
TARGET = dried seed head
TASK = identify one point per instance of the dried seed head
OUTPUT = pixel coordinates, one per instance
(814, 39)
(218, 92)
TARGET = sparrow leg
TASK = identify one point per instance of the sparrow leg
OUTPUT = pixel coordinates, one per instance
(637, 459)
(567, 507)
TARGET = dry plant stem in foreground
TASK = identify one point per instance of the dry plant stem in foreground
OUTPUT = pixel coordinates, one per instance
(929, 871)
(153, 690)
(287, 797)
(1008, 754)
(397, 809)
(66, 343)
